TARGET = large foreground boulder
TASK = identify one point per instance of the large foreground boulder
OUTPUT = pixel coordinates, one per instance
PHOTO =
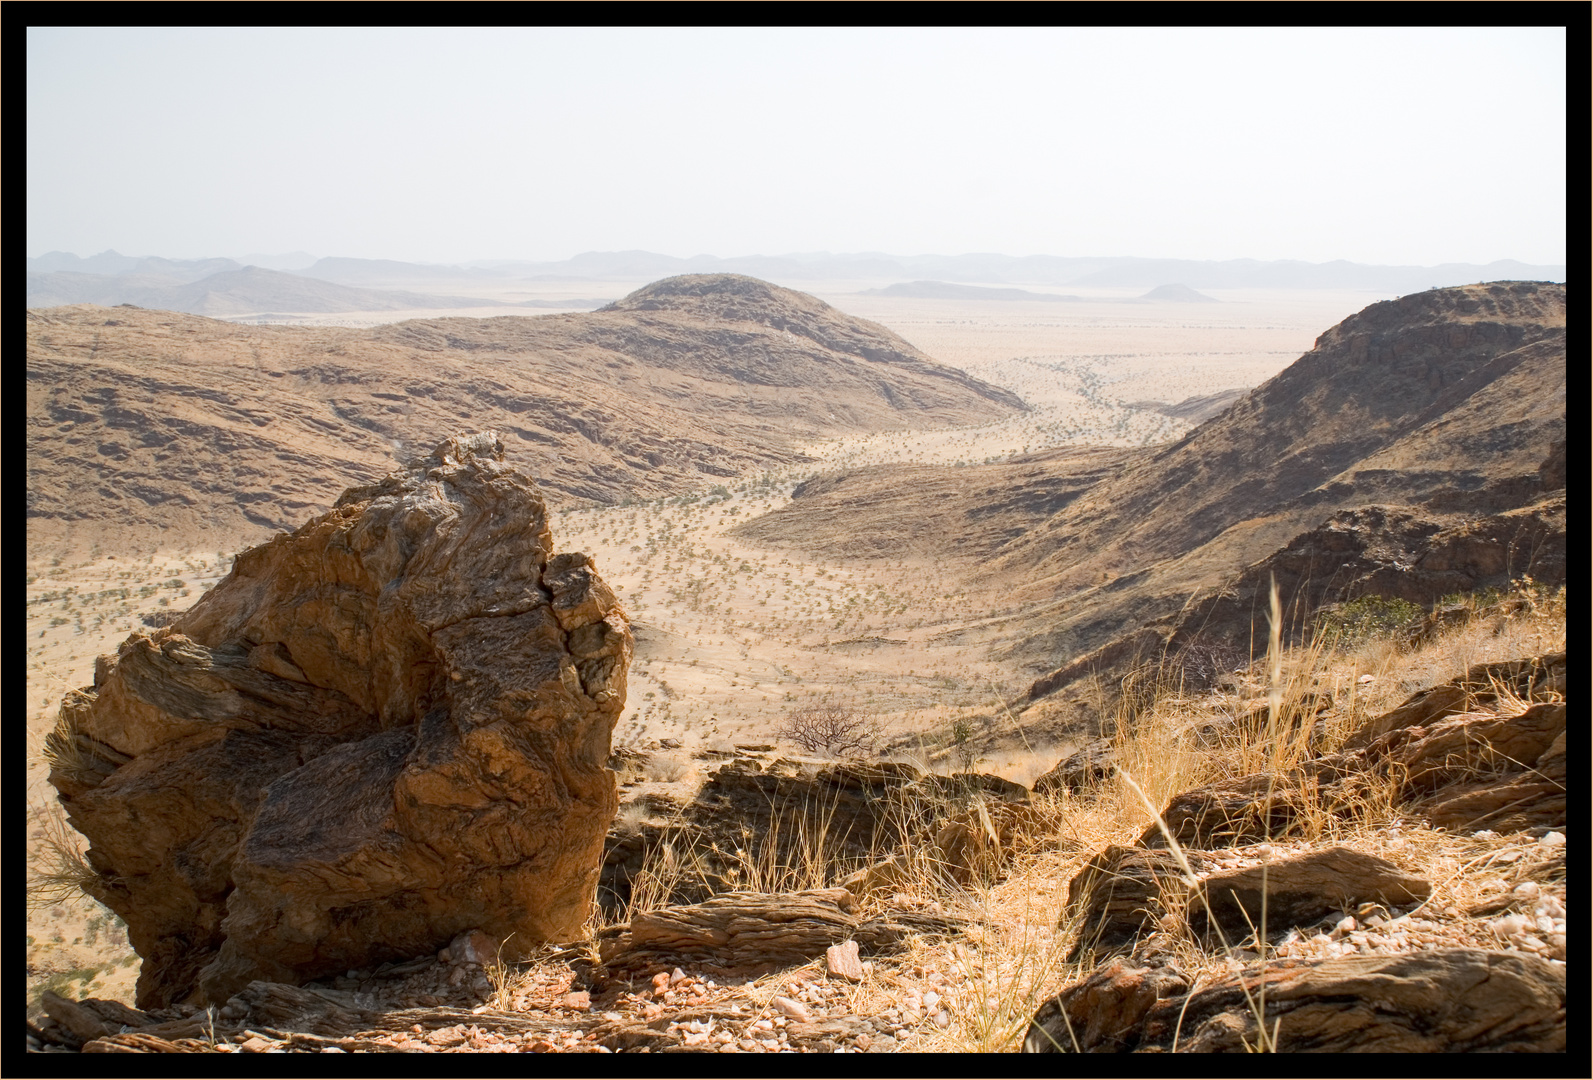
(379, 731)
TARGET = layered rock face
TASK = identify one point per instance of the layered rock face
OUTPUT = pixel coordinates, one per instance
(379, 731)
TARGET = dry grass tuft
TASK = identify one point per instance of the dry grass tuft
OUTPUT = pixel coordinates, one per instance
(1310, 699)
(58, 871)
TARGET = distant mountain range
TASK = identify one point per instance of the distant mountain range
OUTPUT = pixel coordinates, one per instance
(231, 292)
(221, 287)
(986, 269)
(944, 290)
(1036, 270)
(1177, 294)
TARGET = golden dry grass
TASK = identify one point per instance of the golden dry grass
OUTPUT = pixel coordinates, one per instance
(1014, 956)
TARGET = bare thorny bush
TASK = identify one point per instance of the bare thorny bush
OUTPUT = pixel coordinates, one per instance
(834, 729)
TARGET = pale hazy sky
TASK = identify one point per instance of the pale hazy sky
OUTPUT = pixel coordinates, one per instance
(1413, 146)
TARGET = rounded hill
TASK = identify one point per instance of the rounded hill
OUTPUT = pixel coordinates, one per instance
(160, 420)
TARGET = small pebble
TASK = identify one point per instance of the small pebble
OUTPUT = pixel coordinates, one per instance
(1509, 925)
(792, 1008)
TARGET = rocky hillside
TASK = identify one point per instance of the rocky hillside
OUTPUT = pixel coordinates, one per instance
(933, 511)
(1430, 396)
(1444, 411)
(1205, 882)
(1449, 404)
(151, 419)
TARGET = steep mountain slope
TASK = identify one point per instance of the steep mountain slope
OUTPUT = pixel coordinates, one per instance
(1376, 389)
(154, 419)
(1449, 401)
(1444, 410)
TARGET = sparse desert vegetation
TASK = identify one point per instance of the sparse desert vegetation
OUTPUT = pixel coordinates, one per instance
(905, 655)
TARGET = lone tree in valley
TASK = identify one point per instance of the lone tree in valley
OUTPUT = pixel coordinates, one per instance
(836, 730)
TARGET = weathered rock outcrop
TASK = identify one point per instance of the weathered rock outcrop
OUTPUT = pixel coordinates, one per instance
(1437, 1001)
(1236, 904)
(1492, 767)
(1532, 678)
(1118, 895)
(1400, 552)
(1084, 768)
(750, 931)
(379, 731)
(1125, 893)
(1407, 553)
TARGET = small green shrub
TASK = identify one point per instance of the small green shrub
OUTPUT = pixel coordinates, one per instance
(1368, 617)
(1484, 597)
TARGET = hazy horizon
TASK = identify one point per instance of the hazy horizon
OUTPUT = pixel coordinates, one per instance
(1389, 147)
(479, 262)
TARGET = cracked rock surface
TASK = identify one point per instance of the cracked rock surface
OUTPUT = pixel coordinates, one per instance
(383, 729)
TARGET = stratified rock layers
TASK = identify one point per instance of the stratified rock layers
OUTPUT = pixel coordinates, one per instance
(379, 731)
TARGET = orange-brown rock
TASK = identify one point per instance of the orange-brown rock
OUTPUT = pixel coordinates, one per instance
(1434, 1001)
(1268, 900)
(379, 731)
(979, 843)
(1119, 894)
(1532, 678)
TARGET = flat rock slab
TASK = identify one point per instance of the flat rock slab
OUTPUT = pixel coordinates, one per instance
(1229, 906)
(757, 931)
(738, 929)
(1436, 1001)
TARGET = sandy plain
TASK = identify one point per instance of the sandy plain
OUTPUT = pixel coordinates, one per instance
(731, 636)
